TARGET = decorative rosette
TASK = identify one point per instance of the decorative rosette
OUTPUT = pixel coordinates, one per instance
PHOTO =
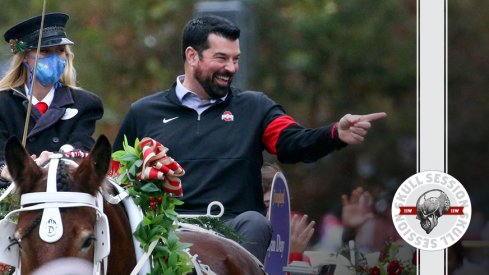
(17, 45)
(147, 162)
(158, 166)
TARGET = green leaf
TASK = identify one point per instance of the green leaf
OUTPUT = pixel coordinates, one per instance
(172, 259)
(176, 201)
(172, 239)
(150, 187)
(146, 220)
(128, 158)
(171, 213)
(130, 150)
(183, 246)
(155, 231)
(162, 249)
(138, 163)
(118, 154)
(132, 170)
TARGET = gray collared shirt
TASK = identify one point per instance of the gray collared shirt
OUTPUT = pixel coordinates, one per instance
(192, 100)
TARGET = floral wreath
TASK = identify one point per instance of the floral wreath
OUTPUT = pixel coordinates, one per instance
(152, 179)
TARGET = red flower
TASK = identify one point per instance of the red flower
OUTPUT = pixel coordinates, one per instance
(374, 270)
(394, 268)
(4, 267)
(114, 168)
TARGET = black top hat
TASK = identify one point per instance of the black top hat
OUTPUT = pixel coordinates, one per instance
(25, 35)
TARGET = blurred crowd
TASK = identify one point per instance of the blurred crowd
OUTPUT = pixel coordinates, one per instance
(366, 219)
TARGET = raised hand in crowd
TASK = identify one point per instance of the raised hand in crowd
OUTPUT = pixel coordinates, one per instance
(356, 209)
(300, 233)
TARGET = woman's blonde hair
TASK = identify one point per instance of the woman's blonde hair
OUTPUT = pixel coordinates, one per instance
(18, 74)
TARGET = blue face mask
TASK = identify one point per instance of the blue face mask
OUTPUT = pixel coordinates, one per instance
(49, 69)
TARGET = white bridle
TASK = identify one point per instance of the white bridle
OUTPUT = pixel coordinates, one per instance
(51, 225)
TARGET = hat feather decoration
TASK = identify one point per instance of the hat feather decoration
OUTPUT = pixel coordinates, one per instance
(17, 45)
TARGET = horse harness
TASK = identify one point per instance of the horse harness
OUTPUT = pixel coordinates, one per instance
(51, 225)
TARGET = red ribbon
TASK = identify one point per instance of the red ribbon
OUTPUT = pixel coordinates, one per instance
(76, 154)
(158, 166)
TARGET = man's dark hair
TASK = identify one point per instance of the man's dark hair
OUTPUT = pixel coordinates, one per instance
(197, 31)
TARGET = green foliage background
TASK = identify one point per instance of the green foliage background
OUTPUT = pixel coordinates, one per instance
(319, 59)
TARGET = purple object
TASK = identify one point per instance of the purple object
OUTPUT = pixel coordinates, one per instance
(279, 215)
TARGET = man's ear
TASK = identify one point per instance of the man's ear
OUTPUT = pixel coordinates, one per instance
(191, 55)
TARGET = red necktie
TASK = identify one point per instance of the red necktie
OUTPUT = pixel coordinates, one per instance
(42, 107)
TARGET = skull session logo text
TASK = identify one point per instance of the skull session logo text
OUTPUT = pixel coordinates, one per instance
(431, 210)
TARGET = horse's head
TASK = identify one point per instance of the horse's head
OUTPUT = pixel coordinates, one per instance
(78, 233)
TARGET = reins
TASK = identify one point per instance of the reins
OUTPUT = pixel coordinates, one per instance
(29, 106)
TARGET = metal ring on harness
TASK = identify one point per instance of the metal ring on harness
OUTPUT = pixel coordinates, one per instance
(209, 213)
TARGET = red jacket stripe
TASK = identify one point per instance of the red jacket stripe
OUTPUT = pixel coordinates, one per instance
(273, 130)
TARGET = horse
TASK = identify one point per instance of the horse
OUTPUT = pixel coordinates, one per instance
(78, 218)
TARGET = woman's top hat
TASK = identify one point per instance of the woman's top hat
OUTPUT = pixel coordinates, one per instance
(25, 35)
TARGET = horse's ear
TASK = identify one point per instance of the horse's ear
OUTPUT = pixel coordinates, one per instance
(101, 155)
(92, 170)
(23, 170)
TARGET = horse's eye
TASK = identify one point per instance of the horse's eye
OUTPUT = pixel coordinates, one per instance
(88, 242)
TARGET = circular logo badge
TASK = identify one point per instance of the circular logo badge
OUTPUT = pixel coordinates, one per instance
(431, 210)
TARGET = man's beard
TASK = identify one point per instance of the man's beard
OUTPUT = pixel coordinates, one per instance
(213, 90)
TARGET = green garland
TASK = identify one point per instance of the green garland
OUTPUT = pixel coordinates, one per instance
(159, 222)
(10, 203)
(214, 224)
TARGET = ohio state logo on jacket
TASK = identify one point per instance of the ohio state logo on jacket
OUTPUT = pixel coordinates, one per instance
(227, 116)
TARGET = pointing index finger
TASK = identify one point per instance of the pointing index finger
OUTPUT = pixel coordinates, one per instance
(373, 116)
